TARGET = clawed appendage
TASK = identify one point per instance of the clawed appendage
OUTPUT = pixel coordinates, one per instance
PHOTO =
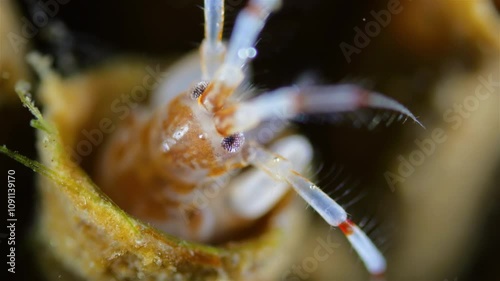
(224, 71)
(288, 102)
(204, 138)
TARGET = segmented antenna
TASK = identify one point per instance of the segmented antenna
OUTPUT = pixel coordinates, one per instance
(212, 49)
(228, 77)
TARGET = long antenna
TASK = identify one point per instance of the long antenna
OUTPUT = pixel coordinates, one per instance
(212, 49)
(228, 77)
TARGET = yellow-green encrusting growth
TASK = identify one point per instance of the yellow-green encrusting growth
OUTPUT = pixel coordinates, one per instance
(81, 231)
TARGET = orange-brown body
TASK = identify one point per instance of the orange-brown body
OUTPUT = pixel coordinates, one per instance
(155, 163)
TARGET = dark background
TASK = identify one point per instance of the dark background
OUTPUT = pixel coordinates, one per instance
(302, 38)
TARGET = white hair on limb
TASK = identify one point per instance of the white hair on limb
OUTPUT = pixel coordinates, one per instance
(281, 169)
(288, 102)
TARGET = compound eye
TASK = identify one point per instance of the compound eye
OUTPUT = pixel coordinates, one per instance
(233, 143)
(198, 89)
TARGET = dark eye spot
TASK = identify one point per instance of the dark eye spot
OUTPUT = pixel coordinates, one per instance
(198, 89)
(233, 143)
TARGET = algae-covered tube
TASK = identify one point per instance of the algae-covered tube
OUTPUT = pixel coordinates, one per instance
(177, 179)
(80, 231)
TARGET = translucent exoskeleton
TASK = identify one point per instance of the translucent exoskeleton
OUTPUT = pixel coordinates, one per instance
(157, 163)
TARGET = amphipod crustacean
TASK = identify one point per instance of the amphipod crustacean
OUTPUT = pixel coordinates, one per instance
(159, 161)
(194, 142)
